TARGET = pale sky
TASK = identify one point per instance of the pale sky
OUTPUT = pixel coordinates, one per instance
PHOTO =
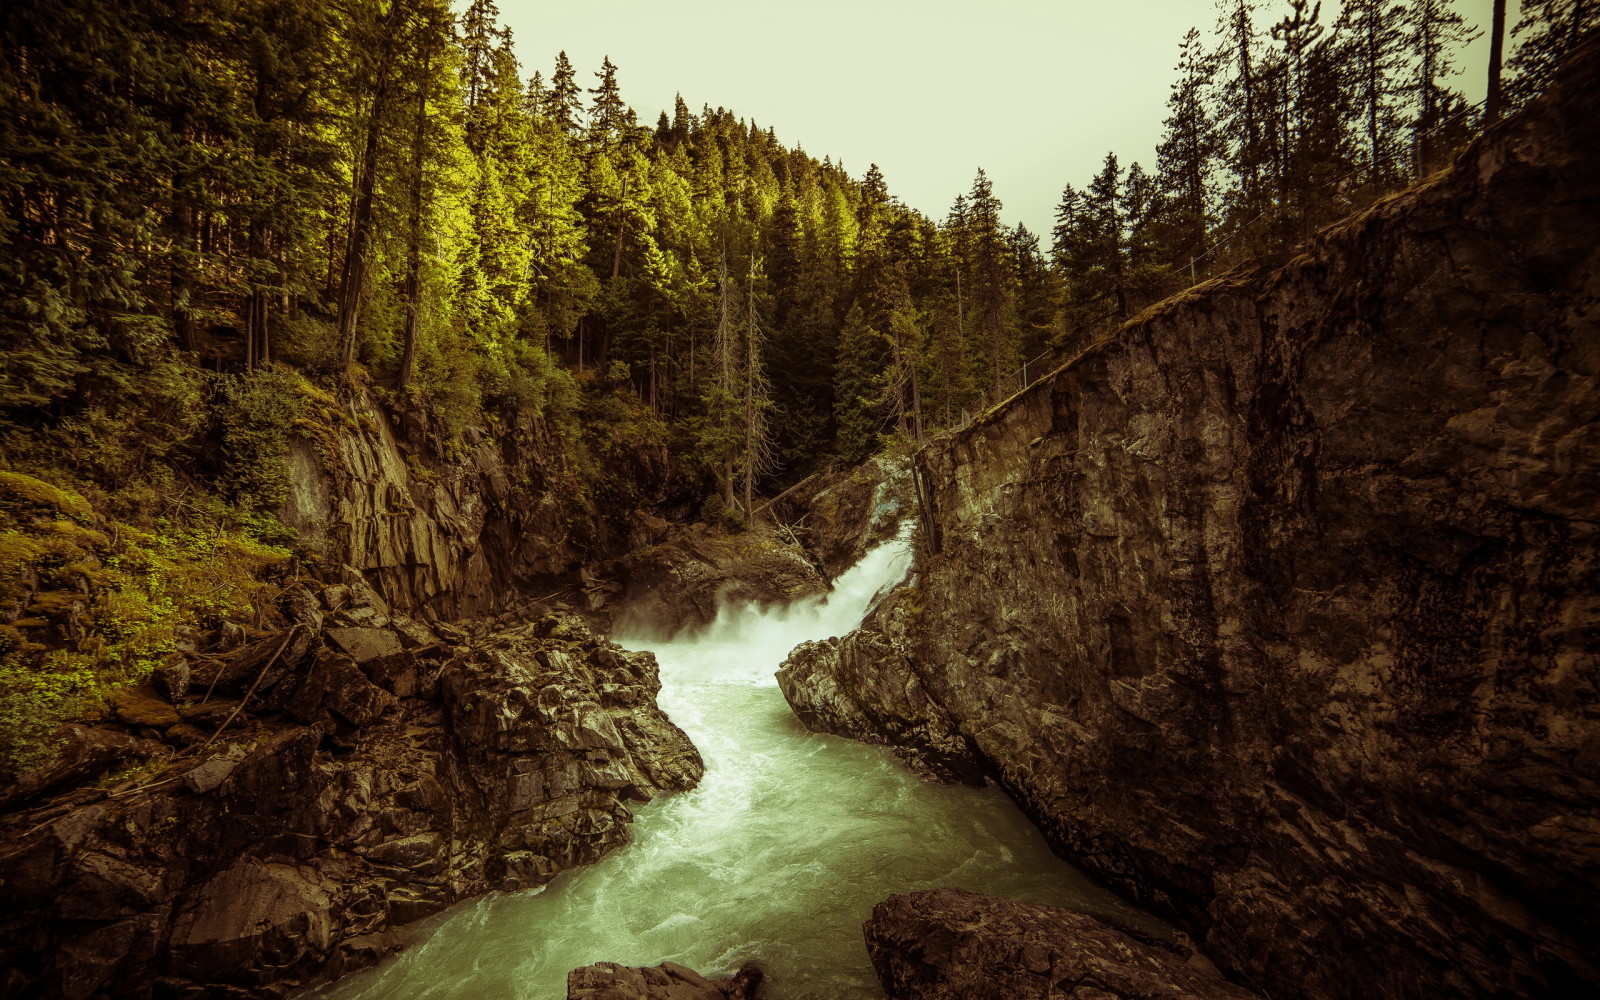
(1036, 93)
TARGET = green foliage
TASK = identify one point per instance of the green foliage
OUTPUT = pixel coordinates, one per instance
(93, 608)
(716, 513)
(864, 355)
(257, 412)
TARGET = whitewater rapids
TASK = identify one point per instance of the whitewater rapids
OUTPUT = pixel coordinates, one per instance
(777, 856)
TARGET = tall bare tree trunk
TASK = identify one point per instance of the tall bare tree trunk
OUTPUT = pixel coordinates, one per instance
(182, 315)
(916, 403)
(353, 276)
(408, 361)
(622, 218)
(1497, 40)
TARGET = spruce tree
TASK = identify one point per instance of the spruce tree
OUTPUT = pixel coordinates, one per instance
(993, 281)
(859, 385)
(565, 101)
(1106, 274)
(1547, 31)
(1441, 124)
(1375, 38)
(1188, 153)
(1240, 112)
(609, 115)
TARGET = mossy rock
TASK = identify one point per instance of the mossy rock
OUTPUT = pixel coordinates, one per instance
(19, 488)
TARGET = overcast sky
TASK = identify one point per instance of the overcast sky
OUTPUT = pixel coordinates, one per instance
(1036, 93)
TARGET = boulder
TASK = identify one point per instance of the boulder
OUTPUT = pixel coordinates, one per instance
(950, 944)
(667, 981)
(363, 643)
(297, 845)
(141, 706)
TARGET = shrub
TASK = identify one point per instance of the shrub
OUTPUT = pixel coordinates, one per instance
(256, 412)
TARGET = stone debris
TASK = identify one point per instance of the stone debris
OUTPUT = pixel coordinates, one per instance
(667, 981)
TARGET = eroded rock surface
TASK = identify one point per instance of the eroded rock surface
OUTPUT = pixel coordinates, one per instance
(1280, 609)
(371, 772)
(682, 580)
(950, 944)
(667, 981)
(838, 515)
(466, 524)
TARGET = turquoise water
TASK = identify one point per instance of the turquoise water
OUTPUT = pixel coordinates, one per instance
(777, 856)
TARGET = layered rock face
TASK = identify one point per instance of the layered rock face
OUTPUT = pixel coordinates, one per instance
(1280, 608)
(450, 530)
(949, 944)
(297, 799)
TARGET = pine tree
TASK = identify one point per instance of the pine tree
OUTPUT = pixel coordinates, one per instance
(993, 281)
(757, 458)
(1106, 273)
(902, 388)
(1375, 35)
(1548, 29)
(381, 42)
(481, 36)
(1441, 125)
(1240, 112)
(859, 385)
(1187, 155)
(565, 101)
(1038, 291)
(1139, 208)
(1313, 146)
(429, 43)
(682, 120)
(609, 115)
(1494, 97)
(1070, 254)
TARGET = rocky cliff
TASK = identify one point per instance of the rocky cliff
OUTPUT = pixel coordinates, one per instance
(1279, 609)
(283, 809)
(443, 526)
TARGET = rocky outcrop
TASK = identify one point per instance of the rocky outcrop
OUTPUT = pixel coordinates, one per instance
(300, 797)
(457, 525)
(839, 514)
(1277, 609)
(950, 944)
(667, 981)
(682, 580)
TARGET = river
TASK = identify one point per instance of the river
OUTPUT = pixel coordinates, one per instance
(777, 856)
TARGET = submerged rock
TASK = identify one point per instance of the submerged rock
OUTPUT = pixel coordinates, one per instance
(360, 786)
(950, 944)
(667, 981)
(1277, 608)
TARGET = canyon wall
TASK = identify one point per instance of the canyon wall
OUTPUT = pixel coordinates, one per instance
(443, 528)
(1279, 609)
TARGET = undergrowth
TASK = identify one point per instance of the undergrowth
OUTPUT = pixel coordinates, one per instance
(90, 602)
